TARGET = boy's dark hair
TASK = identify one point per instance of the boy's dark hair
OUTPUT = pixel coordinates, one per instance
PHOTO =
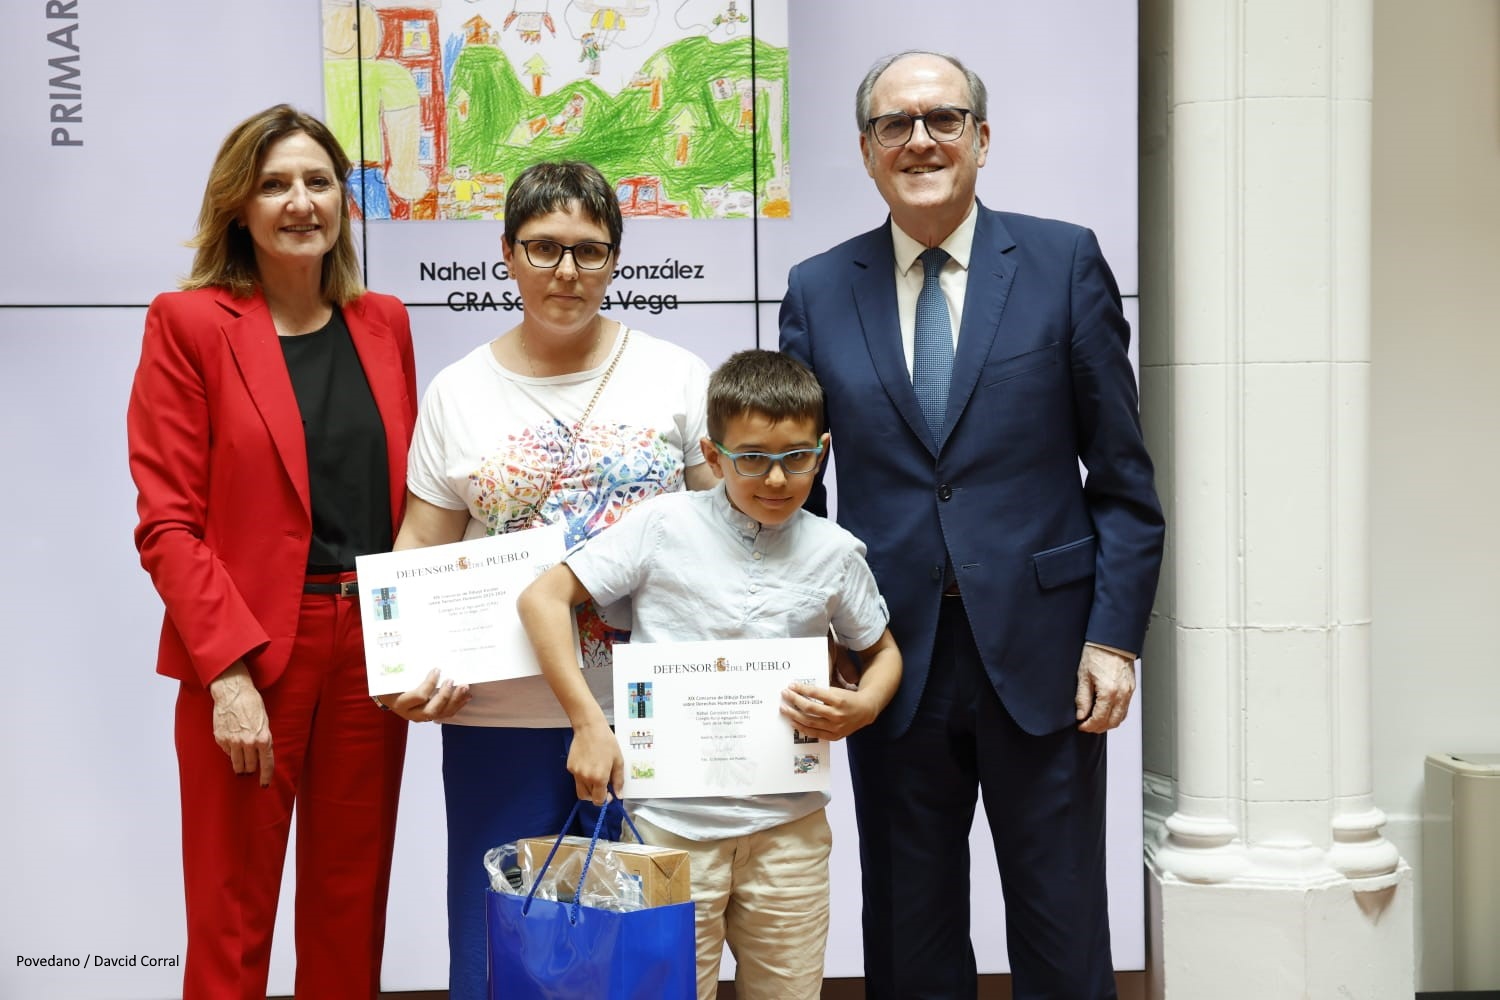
(764, 382)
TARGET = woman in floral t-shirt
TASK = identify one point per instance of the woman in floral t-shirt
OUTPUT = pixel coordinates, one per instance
(566, 418)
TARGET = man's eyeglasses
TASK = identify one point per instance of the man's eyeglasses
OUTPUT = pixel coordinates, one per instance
(755, 464)
(589, 255)
(943, 124)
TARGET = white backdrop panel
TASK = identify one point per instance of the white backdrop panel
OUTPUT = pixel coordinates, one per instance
(1061, 78)
(162, 81)
(90, 776)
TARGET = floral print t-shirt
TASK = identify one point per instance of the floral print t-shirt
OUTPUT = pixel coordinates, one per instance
(500, 444)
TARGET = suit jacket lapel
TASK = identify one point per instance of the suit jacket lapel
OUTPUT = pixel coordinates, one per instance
(991, 273)
(257, 352)
(381, 360)
(880, 318)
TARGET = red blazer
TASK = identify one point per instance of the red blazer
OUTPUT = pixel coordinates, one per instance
(220, 462)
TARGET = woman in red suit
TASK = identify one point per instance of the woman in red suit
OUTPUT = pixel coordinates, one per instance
(268, 424)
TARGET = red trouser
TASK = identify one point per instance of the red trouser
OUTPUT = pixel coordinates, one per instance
(339, 758)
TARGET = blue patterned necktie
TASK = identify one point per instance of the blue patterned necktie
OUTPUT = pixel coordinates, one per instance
(932, 350)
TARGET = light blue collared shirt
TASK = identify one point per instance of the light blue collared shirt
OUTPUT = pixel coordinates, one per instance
(696, 568)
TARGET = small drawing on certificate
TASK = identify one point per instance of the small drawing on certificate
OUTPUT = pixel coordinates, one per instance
(386, 609)
(639, 695)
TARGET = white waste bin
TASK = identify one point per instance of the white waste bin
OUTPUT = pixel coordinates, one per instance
(1461, 872)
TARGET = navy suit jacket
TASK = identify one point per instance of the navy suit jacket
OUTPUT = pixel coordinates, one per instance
(1041, 382)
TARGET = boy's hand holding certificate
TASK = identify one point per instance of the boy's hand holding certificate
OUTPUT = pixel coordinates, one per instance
(704, 718)
(452, 608)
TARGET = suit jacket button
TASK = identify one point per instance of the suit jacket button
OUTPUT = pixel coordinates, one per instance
(945, 493)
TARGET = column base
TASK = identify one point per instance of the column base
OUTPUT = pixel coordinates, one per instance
(1310, 933)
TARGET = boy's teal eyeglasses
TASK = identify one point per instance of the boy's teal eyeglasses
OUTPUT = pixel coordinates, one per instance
(755, 464)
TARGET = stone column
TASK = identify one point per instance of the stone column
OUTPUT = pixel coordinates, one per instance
(1268, 874)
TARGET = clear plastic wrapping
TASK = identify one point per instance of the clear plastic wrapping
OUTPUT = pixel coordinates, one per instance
(610, 884)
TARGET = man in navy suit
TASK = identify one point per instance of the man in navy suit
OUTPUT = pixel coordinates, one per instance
(1019, 591)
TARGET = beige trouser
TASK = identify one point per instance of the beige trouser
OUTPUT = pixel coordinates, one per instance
(765, 894)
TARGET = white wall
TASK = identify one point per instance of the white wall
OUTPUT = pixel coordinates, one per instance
(1435, 471)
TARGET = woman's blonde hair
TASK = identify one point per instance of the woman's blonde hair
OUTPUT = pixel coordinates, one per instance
(226, 254)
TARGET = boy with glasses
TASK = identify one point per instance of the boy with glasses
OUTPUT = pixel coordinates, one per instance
(740, 561)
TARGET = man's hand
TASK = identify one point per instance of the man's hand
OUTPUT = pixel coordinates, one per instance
(1106, 683)
(241, 728)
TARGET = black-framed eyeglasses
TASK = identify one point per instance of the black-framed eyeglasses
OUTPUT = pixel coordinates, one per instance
(943, 124)
(590, 255)
(755, 464)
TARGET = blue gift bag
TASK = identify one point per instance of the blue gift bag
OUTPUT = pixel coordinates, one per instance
(565, 951)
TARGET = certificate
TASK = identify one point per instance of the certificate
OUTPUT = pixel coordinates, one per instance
(453, 608)
(704, 718)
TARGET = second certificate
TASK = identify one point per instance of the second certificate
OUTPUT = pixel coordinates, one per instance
(704, 718)
(452, 607)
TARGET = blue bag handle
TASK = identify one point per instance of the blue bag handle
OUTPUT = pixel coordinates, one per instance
(587, 859)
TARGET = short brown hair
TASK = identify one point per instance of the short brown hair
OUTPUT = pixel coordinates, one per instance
(226, 253)
(768, 383)
(544, 188)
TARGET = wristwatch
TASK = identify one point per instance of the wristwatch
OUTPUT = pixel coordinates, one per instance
(380, 704)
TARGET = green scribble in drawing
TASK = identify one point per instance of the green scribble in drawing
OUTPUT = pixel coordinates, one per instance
(375, 110)
(701, 130)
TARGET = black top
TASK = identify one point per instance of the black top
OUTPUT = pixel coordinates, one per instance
(346, 460)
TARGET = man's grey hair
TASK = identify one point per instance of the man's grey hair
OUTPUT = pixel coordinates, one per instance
(978, 97)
